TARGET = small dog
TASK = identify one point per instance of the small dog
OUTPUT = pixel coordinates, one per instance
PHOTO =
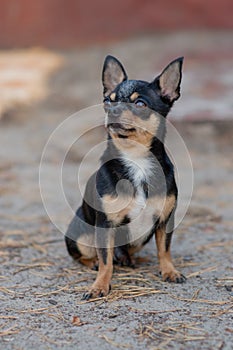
(133, 194)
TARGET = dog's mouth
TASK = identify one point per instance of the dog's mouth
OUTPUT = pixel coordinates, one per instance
(121, 129)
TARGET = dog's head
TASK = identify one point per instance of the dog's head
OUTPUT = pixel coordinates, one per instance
(136, 109)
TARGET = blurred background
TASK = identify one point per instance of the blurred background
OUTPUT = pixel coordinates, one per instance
(70, 23)
(52, 51)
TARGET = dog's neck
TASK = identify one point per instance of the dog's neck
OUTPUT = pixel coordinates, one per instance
(138, 164)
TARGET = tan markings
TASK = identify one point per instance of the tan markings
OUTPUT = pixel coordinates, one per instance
(113, 96)
(150, 125)
(102, 282)
(91, 263)
(134, 96)
(86, 246)
(165, 261)
(141, 224)
(144, 132)
(162, 206)
(135, 248)
(130, 146)
(167, 208)
(116, 208)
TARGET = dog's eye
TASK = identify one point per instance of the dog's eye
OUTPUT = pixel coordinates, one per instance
(107, 101)
(140, 103)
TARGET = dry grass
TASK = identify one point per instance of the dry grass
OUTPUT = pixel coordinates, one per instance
(200, 272)
(117, 345)
(202, 301)
(9, 331)
(173, 331)
(120, 293)
(219, 244)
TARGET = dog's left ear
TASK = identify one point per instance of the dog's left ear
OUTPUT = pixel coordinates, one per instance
(168, 82)
(113, 74)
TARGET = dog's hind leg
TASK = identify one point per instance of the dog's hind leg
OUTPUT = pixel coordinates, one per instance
(80, 241)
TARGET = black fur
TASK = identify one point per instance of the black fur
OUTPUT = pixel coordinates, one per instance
(156, 99)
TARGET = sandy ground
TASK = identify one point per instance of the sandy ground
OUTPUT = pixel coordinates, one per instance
(40, 285)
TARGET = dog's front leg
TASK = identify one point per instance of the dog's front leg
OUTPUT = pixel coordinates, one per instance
(104, 247)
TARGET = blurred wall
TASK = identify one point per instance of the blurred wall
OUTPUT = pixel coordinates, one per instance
(66, 23)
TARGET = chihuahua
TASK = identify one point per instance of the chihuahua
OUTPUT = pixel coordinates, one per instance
(133, 194)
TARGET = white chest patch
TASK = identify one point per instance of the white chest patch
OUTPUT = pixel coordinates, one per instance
(139, 204)
(139, 169)
(142, 212)
(141, 220)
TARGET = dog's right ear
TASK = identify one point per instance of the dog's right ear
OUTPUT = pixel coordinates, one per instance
(113, 74)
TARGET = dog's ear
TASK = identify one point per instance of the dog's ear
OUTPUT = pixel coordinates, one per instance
(113, 74)
(168, 82)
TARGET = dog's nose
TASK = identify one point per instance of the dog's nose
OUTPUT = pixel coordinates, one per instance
(116, 110)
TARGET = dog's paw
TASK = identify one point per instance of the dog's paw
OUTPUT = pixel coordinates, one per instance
(173, 276)
(96, 292)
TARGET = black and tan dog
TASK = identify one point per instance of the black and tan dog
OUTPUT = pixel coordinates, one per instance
(133, 194)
